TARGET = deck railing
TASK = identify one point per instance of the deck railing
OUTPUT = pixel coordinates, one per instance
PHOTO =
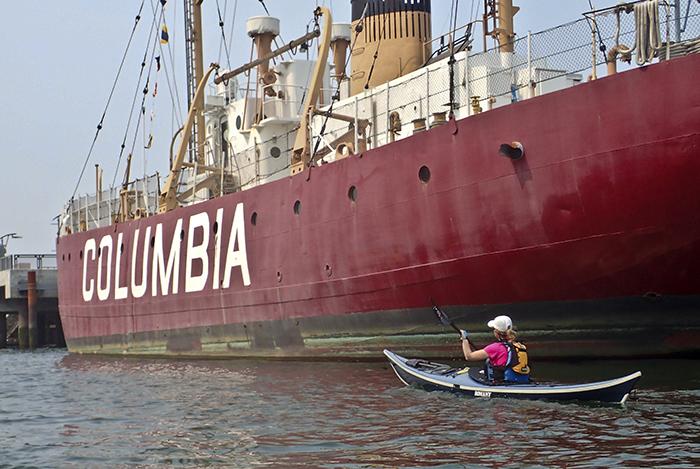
(28, 262)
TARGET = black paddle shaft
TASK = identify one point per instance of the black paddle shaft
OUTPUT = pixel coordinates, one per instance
(446, 321)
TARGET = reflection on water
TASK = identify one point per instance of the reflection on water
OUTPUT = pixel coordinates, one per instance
(66, 410)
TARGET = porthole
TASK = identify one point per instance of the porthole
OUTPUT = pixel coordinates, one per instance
(215, 227)
(275, 152)
(424, 174)
(239, 122)
(182, 235)
(81, 252)
(329, 270)
(63, 257)
(352, 193)
(297, 207)
(254, 218)
(279, 276)
(81, 255)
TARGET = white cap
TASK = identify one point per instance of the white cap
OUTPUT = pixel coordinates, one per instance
(500, 323)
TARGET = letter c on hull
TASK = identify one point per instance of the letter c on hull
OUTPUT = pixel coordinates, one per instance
(89, 249)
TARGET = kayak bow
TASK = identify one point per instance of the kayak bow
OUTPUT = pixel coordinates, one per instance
(439, 377)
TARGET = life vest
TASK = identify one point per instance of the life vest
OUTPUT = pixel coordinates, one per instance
(516, 369)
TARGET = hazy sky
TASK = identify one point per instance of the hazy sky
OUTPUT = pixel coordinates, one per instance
(59, 59)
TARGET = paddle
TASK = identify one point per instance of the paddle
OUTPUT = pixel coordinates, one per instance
(446, 321)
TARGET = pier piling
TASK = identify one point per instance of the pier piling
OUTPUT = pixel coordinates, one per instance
(3, 330)
(31, 310)
(22, 323)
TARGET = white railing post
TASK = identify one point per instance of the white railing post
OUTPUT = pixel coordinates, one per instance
(386, 114)
(357, 137)
(87, 214)
(594, 47)
(468, 82)
(311, 139)
(530, 90)
(668, 29)
(194, 182)
(427, 96)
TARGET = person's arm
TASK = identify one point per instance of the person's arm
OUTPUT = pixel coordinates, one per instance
(473, 355)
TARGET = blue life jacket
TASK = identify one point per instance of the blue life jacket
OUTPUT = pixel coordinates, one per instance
(516, 369)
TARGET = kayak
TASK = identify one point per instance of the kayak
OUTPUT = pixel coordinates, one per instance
(471, 382)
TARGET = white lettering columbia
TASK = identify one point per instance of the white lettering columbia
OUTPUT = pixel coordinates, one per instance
(164, 270)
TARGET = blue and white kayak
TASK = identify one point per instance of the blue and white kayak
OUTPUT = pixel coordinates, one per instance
(469, 381)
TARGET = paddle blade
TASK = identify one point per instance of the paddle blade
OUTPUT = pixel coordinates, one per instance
(442, 316)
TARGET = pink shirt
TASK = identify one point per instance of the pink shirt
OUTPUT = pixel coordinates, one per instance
(498, 353)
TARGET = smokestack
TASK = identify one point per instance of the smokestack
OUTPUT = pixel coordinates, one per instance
(263, 30)
(397, 31)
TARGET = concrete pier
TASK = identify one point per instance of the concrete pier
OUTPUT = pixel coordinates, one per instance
(28, 290)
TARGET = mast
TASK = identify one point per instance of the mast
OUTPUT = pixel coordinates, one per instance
(501, 12)
(195, 72)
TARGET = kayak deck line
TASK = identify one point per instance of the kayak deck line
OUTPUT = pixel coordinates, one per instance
(465, 383)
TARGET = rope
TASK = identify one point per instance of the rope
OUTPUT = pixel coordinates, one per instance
(648, 37)
(109, 99)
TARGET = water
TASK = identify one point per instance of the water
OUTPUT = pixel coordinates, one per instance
(59, 410)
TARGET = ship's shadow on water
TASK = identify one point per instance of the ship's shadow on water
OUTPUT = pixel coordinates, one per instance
(67, 410)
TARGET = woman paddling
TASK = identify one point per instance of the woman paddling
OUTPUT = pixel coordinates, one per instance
(506, 359)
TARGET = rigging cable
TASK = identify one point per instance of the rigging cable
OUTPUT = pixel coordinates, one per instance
(454, 26)
(452, 61)
(172, 63)
(177, 110)
(223, 33)
(133, 102)
(376, 52)
(358, 29)
(146, 87)
(233, 21)
(603, 47)
(109, 99)
(262, 2)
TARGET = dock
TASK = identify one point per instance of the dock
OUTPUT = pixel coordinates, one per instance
(29, 302)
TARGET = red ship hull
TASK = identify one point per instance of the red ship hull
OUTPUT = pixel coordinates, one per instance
(591, 241)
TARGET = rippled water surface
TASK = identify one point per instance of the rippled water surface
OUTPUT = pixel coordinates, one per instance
(59, 410)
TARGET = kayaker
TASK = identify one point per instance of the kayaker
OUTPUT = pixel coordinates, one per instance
(506, 359)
